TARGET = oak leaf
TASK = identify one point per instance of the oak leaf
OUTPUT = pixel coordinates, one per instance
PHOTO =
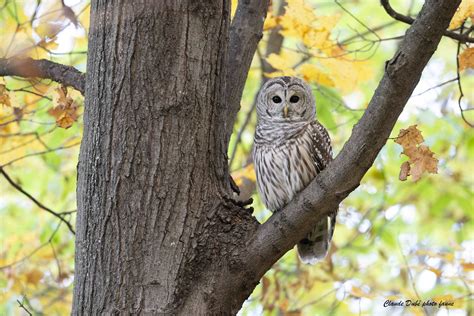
(312, 73)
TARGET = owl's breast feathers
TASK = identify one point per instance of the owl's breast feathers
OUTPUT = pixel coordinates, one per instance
(287, 156)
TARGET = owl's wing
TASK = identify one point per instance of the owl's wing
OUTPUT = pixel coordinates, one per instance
(316, 245)
(321, 150)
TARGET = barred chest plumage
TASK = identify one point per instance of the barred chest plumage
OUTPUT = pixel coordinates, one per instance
(284, 160)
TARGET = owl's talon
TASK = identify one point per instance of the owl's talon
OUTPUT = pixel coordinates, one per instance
(241, 204)
(245, 202)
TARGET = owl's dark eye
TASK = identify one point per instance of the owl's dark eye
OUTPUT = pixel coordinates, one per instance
(294, 99)
(276, 99)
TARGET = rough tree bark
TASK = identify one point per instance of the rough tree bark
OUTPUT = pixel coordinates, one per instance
(152, 168)
(157, 229)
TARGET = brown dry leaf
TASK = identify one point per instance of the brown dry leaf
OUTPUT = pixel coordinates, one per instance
(423, 160)
(4, 96)
(65, 112)
(409, 137)
(468, 266)
(404, 171)
(466, 59)
(421, 157)
(34, 276)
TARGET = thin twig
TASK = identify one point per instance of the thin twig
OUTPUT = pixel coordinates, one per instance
(436, 86)
(410, 275)
(11, 264)
(35, 201)
(39, 154)
(461, 37)
(458, 77)
(23, 307)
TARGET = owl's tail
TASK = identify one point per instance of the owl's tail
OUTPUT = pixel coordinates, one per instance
(316, 245)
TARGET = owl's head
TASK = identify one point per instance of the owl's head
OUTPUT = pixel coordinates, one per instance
(286, 99)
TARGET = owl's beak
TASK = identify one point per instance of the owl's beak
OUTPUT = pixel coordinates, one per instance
(285, 111)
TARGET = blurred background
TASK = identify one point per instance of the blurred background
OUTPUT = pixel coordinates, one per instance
(398, 237)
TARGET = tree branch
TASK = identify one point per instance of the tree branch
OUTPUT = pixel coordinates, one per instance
(38, 203)
(245, 33)
(463, 38)
(402, 73)
(44, 69)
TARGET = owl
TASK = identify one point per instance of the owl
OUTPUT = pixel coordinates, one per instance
(290, 148)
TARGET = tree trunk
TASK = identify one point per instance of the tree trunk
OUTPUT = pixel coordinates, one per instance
(153, 173)
(157, 229)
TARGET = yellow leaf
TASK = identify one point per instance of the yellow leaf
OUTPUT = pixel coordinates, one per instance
(297, 18)
(466, 58)
(49, 45)
(465, 10)
(312, 73)
(283, 63)
(270, 22)
(347, 74)
(48, 29)
(233, 8)
(248, 172)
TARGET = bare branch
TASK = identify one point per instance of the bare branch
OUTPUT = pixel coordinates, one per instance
(245, 33)
(23, 307)
(458, 78)
(463, 38)
(402, 73)
(44, 69)
(38, 203)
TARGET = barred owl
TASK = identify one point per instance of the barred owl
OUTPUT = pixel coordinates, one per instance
(290, 148)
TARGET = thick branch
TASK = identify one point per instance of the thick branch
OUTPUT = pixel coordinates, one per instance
(463, 38)
(44, 69)
(343, 175)
(244, 34)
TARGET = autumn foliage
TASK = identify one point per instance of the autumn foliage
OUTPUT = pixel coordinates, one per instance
(394, 240)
